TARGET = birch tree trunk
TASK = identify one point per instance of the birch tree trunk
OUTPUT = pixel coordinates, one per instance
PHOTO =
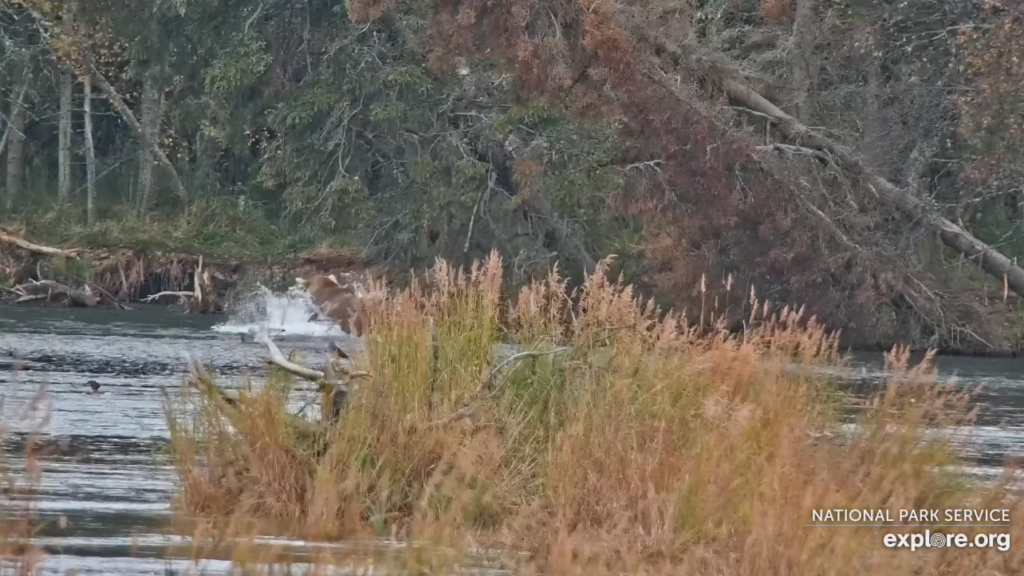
(64, 137)
(802, 56)
(90, 151)
(67, 85)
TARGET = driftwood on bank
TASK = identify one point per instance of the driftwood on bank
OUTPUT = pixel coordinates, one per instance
(50, 291)
(31, 247)
(279, 359)
(992, 261)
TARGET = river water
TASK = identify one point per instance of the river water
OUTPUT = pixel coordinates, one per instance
(102, 503)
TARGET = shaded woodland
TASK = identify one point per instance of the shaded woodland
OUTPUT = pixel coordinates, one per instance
(862, 157)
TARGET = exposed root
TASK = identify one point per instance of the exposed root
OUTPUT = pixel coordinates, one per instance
(119, 275)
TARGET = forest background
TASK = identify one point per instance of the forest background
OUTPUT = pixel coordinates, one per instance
(864, 158)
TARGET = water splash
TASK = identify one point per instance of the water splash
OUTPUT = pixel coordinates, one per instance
(286, 314)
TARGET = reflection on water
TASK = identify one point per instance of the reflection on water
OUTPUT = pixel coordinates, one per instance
(108, 477)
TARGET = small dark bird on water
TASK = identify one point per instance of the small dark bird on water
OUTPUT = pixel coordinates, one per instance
(94, 385)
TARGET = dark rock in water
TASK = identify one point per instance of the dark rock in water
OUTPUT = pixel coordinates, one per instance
(94, 385)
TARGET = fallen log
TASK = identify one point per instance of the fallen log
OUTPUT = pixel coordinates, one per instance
(31, 298)
(32, 247)
(51, 290)
(992, 261)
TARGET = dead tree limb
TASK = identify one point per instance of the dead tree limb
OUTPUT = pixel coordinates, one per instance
(231, 408)
(912, 207)
(277, 358)
(133, 122)
(32, 298)
(182, 295)
(51, 290)
(487, 388)
(33, 248)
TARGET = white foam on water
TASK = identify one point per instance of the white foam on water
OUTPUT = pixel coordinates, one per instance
(285, 314)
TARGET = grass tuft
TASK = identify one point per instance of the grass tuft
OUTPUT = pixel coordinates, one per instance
(612, 437)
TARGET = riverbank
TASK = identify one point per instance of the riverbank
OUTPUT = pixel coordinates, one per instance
(116, 276)
(129, 260)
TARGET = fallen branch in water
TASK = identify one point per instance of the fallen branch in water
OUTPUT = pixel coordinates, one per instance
(202, 381)
(31, 298)
(230, 407)
(276, 357)
(181, 295)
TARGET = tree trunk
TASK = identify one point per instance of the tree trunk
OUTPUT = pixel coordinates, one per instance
(802, 55)
(64, 137)
(915, 209)
(953, 236)
(150, 144)
(64, 133)
(90, 151)
(16, 146)
(151, 129)
(17, 102)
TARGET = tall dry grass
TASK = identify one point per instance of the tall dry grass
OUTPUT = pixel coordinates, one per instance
(18, 483)
(617, 440)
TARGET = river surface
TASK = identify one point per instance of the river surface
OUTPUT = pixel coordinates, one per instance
(104, 507)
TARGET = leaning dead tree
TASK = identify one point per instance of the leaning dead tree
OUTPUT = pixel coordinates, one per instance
(151, 145)
(915, 209)
(577, 51)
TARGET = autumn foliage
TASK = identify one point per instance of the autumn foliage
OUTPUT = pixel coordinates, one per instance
(710, 203)
(992, 113)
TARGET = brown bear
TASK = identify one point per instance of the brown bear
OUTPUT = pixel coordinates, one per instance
(340, 299)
